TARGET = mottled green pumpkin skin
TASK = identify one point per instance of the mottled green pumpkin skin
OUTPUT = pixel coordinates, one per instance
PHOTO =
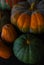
(28, 53)
(4, 18)
(4, 6)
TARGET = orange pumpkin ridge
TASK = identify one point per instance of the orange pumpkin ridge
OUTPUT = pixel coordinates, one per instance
(40, 21)
(23, 22)
(39, 18)
(34, 23)
(37, 22)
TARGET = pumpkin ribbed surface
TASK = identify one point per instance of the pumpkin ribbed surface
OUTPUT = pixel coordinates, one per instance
(28, 52)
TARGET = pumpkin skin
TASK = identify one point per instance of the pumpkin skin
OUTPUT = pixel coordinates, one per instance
(40, 7)
(13, 2)
(17, 10)
(21, 9)
(8, 33)
(4, 5)
(5, 51)
(31, 1)
(4, 19)
(26, 23)
(28, 49)
(37, 23)
(23, 22)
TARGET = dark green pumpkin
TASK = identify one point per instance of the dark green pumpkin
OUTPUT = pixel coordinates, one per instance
(28, 49)
(4, 18)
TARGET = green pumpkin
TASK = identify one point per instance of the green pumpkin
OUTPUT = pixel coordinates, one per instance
(4, 18)
(28, 49)
(4, 5)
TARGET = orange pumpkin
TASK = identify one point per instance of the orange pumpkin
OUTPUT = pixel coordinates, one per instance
(8, 33)
(29, 19)
(14, 18)
(37, 22)
(17, 10)
(33, 23)
(5, 51)
(23, 22)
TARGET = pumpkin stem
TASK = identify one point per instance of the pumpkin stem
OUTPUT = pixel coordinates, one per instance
(32, 6)
(28, 42)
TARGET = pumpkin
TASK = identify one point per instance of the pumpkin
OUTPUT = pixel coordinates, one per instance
(17, 10)
(5, 51)
(1, 14)
(3, 5)
(8, 33)
(13, 2)
(24, 22)
(40, 7)
(29, 22)
(32, 1)
(4, 18)
(28, 48)
(39, 26)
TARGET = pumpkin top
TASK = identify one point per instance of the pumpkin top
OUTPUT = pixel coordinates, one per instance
(28, 41)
